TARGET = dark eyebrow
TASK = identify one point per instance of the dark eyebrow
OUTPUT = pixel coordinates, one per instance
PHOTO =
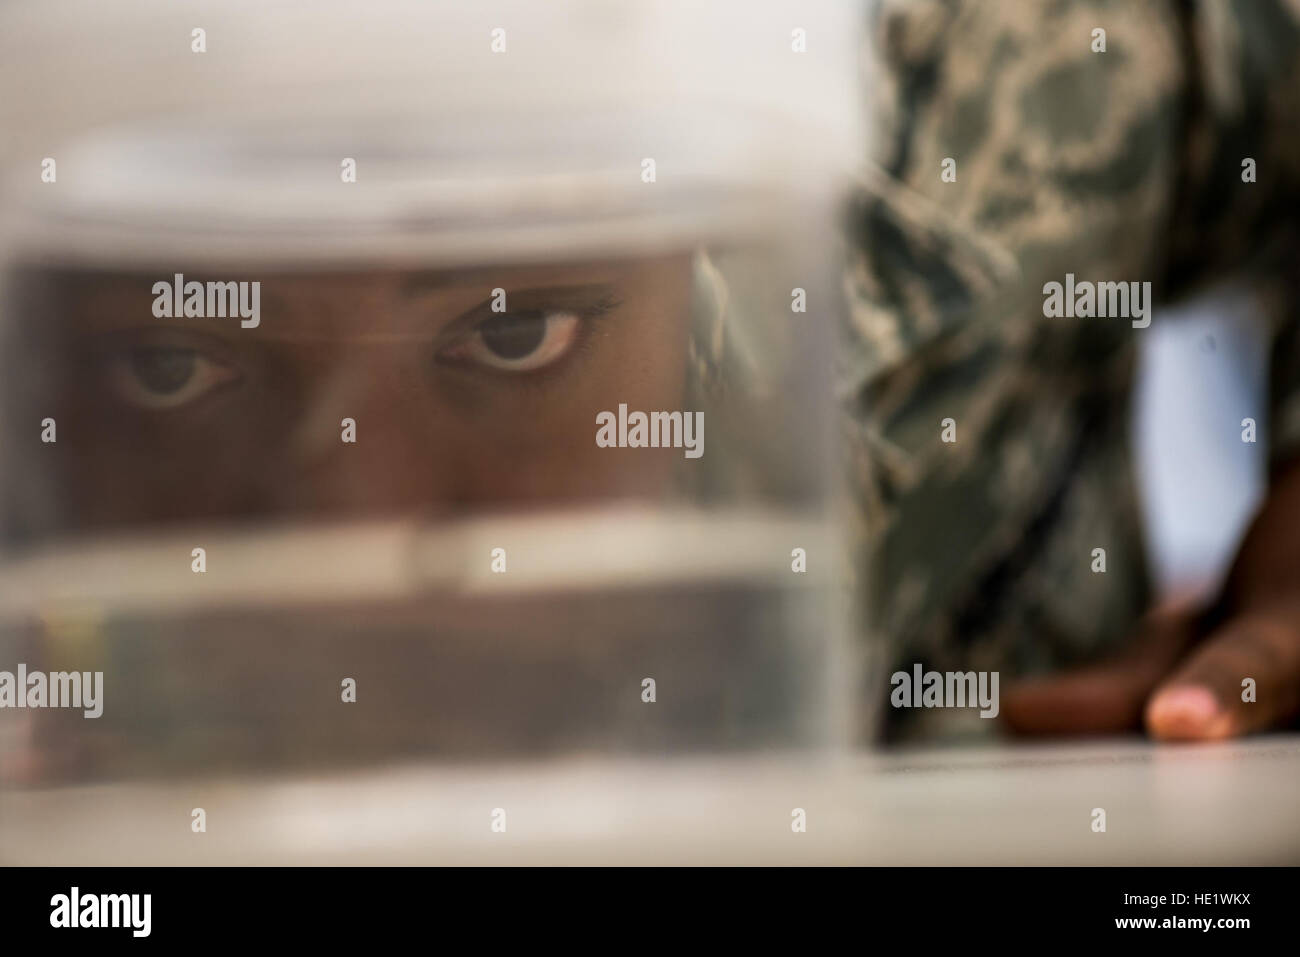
(584, 295)
(429, 280)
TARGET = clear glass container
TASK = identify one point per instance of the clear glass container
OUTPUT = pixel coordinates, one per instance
(372, 394)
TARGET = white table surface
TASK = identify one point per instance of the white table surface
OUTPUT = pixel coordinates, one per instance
(1236, 803)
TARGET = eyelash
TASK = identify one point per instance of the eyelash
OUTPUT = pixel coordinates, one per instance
(594, 310)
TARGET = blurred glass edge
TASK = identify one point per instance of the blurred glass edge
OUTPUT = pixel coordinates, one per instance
(237, 153)
(589, 550)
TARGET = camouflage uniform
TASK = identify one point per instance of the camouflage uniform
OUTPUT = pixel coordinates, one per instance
(1116, 165)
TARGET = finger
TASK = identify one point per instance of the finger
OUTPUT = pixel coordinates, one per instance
(1093, 702)
(1102, 699)
(1208, 697)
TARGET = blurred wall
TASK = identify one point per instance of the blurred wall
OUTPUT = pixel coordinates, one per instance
(1202, 369)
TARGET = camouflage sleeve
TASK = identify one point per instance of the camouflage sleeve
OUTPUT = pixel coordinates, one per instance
(1014, 143)
(1242, 178)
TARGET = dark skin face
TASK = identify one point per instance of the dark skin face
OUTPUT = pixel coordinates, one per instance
(457, 408)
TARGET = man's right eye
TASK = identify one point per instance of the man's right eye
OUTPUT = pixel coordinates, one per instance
(154, 377)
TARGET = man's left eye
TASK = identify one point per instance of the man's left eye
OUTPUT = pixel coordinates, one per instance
(518, 343)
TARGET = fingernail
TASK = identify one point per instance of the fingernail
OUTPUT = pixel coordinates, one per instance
(1190, 711)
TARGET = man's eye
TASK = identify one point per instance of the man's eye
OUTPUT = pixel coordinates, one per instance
(165, 378)
(518, 343)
